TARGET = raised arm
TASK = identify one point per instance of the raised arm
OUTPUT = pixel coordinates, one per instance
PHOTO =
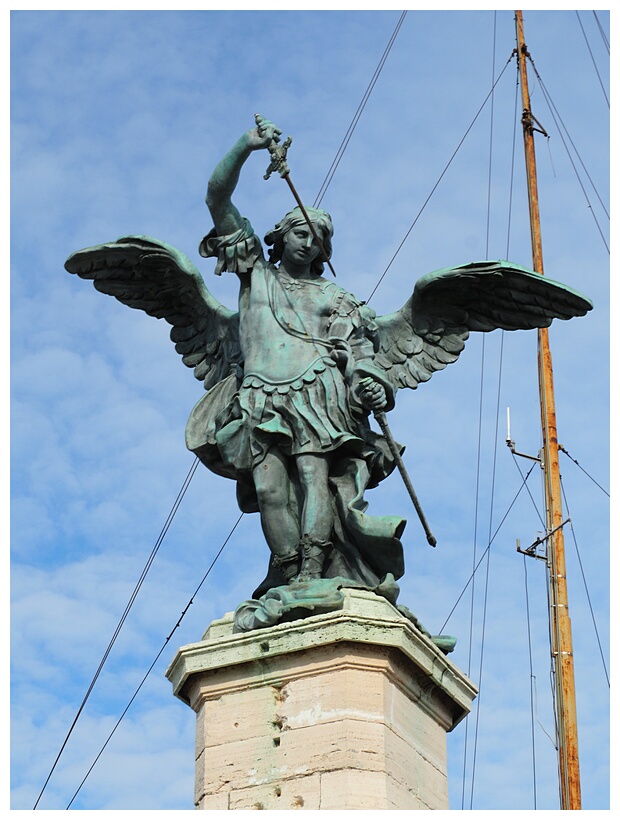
(224, 179)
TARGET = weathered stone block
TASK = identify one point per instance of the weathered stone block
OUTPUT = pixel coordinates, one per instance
(302, 792)
(347, 710)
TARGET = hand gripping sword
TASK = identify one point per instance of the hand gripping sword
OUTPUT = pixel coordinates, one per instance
(381, 419)
(278, 163)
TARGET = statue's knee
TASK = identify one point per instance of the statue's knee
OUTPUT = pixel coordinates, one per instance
(271, 494)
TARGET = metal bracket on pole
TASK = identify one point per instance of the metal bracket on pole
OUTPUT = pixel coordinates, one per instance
(531, 550)
(511, 446)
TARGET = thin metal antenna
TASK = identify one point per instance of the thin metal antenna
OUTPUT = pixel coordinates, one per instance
(512, 446)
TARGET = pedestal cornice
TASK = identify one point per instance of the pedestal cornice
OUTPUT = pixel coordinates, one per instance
(365, 619)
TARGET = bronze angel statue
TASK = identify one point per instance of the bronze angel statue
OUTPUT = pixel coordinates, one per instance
(293, 375)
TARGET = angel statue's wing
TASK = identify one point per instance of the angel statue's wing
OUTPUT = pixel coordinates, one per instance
(430, 330)
(145, 273)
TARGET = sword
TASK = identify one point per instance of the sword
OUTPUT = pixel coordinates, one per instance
(343, 350)
(382, 422)
(278, 163)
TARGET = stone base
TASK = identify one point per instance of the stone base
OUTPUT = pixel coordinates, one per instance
(344, 710)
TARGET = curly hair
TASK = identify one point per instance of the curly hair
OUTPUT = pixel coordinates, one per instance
(322, 222)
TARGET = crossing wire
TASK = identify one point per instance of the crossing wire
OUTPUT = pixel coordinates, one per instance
(356, 117)
(157, 657)
(601, 31)
(565, 451)
(538, 513)
(556, 119)
(488, 547)
(585, 37)
(188, 479)
(436, 185)
(585, 585)
(123, 618)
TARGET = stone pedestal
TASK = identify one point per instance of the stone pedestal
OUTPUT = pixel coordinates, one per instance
(346, 710)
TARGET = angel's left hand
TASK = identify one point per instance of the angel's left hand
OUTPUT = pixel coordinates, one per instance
(372, 395)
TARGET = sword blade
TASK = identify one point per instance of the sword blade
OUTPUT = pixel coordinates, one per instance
(382, 422)
(310, 225)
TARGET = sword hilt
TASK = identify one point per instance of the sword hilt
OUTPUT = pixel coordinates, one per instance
(278, 158)
(278, 163)
(277, 153)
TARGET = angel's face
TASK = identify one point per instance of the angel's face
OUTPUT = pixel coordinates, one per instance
(300, 246)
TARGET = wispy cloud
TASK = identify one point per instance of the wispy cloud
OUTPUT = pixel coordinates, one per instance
(118, 119)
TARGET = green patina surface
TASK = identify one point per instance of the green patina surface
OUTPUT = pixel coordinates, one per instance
(293, 375)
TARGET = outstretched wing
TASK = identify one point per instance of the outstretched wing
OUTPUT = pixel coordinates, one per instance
(430, 330)
(145, 273)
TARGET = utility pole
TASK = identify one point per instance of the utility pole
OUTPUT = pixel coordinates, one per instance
(561, 635)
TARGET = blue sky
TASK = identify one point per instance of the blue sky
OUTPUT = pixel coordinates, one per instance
(118, 119)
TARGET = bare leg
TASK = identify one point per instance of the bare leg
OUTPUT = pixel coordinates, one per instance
(317, 519)
(280, 526)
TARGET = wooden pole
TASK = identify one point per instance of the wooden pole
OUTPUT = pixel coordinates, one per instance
(561, 635)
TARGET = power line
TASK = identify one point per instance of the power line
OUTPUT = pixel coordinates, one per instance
(183, 613)
(512, 167)
(435, 186)
(585, 37)
(601, 31)
(488, 560)
(479, 450)
(322, 191)
(135, 694)
(488, 563)
(474, 546)
(585, 585)
(565, 451)
(123, 618)
(554, 112)
(356, 117)
(469, 580)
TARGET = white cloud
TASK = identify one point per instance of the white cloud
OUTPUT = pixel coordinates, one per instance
(118, 119)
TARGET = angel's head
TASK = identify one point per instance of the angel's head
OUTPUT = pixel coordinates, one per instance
(322, 223)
